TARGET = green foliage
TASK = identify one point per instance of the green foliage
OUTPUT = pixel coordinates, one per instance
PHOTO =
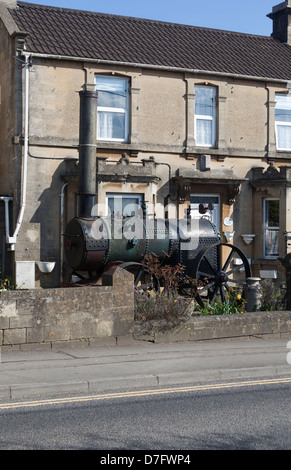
(273, 298)
(234, 303)
(5, 283)
(220, 308)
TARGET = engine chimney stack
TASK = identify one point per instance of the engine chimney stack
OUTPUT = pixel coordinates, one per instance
(87, 152)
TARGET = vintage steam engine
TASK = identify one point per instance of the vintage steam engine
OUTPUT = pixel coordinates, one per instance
(93, 244)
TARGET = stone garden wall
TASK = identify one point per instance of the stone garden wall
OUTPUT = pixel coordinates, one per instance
(73, 315)
(104, 315)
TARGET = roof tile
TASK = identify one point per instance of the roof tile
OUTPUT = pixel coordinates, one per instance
(91, 35)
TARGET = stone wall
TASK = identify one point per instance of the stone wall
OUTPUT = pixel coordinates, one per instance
(104, 315)
(74, 315)
(202, 328)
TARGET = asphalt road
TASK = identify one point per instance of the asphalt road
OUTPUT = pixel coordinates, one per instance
(252, 414)
(25, 374)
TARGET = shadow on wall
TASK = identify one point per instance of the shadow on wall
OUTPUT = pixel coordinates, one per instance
(48, 218)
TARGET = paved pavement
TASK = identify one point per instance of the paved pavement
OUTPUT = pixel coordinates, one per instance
(93, 370)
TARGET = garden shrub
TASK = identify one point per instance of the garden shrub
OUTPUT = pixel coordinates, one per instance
(273, 297)
(165, 302)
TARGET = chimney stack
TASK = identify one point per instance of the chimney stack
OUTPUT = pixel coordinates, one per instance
(281, 16)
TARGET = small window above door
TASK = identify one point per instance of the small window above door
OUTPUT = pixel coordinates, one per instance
(124, 205)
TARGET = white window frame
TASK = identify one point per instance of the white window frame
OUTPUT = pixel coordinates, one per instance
(133, 196)
(209, 118)
(282, 124)
(267, 227)
(125, 111)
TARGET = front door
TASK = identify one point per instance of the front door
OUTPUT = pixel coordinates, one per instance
(207, 199)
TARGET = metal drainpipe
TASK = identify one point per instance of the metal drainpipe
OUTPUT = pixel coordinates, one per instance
(62, 196)
(6, 200)
(12, 240)
(87, 152)
(174, 198)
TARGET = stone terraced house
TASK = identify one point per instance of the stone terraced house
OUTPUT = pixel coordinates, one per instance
(186, 116)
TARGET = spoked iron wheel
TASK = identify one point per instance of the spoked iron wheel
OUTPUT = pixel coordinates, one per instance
(218, 269)
(143, 280)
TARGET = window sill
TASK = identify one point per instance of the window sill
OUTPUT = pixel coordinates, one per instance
(112, 144)
(281, 154)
